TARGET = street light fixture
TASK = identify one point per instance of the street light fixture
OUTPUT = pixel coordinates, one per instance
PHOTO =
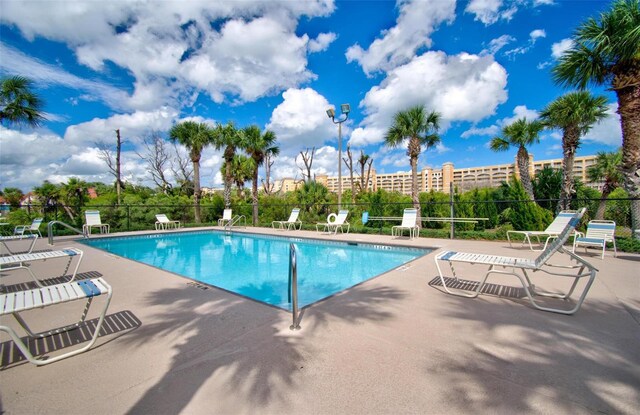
(331, 112)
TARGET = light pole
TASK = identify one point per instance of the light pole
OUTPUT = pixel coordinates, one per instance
(345, 109)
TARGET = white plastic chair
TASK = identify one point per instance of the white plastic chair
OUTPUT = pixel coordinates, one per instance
(20, 261)
(227, 216)
(92, 220)
(33, 228)
(335, 222)
(599, 232)
(409, 218)
(16, 302)
(163, 222)
(552, 231)
(519, 267)
(289, 223)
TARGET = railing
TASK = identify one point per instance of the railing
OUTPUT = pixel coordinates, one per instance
(293, 287)
(54, 222)
(237, 219)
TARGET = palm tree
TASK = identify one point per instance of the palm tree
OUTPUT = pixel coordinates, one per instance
(74, 192)
(521, 133)
(18, 105)
(229, 137)
(607, 52)
(574, 113)
(420, 129)
(257, 146)
(607, 170)
(241, 171)
(195, 137)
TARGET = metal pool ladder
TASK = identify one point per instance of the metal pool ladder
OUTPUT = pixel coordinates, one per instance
(293, 286)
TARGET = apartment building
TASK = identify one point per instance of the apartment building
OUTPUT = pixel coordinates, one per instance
(441, 179)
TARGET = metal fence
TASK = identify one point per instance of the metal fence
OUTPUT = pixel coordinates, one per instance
(490, 218)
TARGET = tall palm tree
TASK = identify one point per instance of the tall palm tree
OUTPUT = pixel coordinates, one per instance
(257, 145)
(420, 129)
(607, 170)
(521, 133)
(607, 52)
(18, 104)
(229, 138)
(195, 137)
(574, 113)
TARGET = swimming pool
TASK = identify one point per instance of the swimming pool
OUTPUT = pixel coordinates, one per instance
(257, 266)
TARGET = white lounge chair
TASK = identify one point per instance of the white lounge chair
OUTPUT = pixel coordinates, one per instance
(227, 215)
(519, 268)
(16, 238)
(599, 232)
(18, 261)
(17, 302)
(552, 231)
(289, 223)
(163, 222)
(335, 222)
(409, 218)
(92, 220)
(33, 228)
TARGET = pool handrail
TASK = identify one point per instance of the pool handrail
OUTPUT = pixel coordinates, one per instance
(235, 220)
(50, 230)
(293, 287)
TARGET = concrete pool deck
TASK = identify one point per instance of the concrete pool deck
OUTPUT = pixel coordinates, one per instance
(394, 344)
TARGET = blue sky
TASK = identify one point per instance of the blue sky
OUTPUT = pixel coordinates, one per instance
(144, 66)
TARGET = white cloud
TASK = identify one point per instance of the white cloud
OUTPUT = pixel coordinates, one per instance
(300, 121)
(15, 62)
(533, 38)
(558, 48)
(322, 42)
(496, 44)
(417, 21)
(234, 51)
(133, 127)
(490, 11)
(461, 88)
(520, 111)
(608, 131)
(537, 34)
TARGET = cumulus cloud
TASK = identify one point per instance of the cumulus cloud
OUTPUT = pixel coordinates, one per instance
(300, 121)
(463, 87)
(608, 131)
(520, 111)
(417, 21)
(133, 127)
(558, 48)
(227, 49)
(322, 42)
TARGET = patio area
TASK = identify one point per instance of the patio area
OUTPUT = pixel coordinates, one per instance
(394, 344)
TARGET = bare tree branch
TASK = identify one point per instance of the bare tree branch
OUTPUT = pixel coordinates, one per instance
(307, 159)
(182, 171)
(157, 158)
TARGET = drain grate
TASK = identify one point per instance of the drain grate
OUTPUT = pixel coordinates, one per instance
(403, 268)
(198, 285)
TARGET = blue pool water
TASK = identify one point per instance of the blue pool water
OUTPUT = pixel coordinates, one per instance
(257, 266)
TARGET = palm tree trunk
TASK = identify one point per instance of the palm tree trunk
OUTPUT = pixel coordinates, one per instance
(603, 203)
(254, 195)
(629, 110)
(570, 139)
(227, 185)
(523, 167)
(196, 190)
(414, 183)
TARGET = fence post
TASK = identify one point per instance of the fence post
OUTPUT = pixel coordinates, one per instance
(451, 210)
(128, 218)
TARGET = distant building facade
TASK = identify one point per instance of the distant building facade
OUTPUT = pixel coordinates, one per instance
(440, 179)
